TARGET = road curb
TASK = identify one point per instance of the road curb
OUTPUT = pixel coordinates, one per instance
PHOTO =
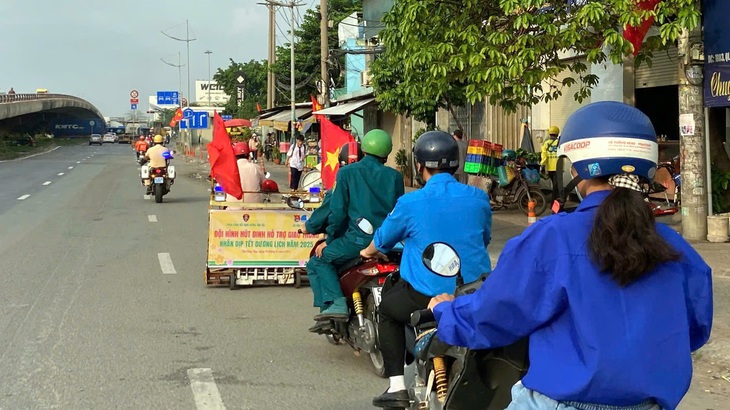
(32, 155)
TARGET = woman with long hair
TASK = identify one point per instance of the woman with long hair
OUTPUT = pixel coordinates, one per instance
(613, 303)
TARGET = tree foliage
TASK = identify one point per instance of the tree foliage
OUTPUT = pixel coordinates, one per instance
(446, 52)
(307, 55)
(254, 91)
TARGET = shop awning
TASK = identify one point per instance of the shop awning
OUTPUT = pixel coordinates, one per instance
(281, 120)
(345, 108)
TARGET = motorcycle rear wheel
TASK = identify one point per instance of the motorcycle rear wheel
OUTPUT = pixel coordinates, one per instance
(158, 193)
(536, 195)
(376, 358)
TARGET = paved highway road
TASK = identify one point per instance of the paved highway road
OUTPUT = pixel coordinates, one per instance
(89, 320)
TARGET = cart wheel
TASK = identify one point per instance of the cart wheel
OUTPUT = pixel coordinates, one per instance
(232, 281)
(297, 280)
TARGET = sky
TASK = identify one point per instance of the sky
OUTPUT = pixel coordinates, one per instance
(100, 50)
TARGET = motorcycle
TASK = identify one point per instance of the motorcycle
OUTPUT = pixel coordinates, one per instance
(518, 191)
(361, 282)
(441, 376)
(139, 155)
(157, 180)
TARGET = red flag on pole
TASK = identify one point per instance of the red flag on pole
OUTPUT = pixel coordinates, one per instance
(316, 106)
(223, 166)
(636, 35)
(333, 138)
(258, 107)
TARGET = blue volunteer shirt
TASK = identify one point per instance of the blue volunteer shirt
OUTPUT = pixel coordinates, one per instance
(590, 340)
(444, 210)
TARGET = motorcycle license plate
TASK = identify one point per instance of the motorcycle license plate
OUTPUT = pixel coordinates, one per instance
(159, 180)
(377, 291)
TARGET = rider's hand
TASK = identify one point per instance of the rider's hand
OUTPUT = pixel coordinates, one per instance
(320, 249)
(304, 231)
(444, 297)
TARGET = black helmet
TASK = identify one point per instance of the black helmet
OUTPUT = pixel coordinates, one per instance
(349, 153)
(437, 150)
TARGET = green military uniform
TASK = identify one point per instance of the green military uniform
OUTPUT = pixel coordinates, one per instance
(317, 224)
(366, 189)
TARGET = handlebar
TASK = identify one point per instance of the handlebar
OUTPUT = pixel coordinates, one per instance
(422, 316)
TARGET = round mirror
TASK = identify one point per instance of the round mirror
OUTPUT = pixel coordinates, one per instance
(365, 226)
(441, 259)
(295, 202)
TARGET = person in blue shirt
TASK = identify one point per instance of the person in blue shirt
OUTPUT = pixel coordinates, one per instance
(613, 302)
(445, 210)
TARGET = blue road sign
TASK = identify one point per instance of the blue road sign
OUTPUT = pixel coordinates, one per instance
(198, 120)
(168, 98)
(226, 117)
(134, 106)
(188, 113)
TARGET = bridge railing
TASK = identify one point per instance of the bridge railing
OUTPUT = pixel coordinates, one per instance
(7, 98)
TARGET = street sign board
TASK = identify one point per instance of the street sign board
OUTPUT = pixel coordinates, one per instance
(226, 117)
(134, 101)
(188, 113)
(168, 97)
(198, 120)
(134, 94)
(134, 106)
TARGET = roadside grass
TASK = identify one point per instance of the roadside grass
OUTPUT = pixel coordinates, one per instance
(9, 148)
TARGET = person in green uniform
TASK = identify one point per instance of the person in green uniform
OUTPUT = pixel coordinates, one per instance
(367, 189)
(317, 222)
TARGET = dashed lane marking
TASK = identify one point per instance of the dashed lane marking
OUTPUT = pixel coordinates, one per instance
(152, 218)
(205, 391)
(47, 183)
(166, 264)
(23, 198)
(70, 167)
(60, 174)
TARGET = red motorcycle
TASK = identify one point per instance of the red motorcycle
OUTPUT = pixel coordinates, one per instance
(361, 282)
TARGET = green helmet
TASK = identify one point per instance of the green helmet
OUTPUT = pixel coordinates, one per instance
(377, 142)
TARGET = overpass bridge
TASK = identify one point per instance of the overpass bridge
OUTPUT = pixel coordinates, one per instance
(58, 114)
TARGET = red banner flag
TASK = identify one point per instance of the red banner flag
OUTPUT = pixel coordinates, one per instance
(636, 35)
(333, 138)
(316, 106)
(223, 166)
(258, 107)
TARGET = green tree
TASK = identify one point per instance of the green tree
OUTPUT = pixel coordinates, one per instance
(307, 55)
(441, 53)
(254, 92)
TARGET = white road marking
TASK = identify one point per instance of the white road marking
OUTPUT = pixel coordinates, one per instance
(78, 162)
(152, 218)
(47, 183)
(60, 174)
(23, 198)
(70, 167)
(205, 391)
(166, 264)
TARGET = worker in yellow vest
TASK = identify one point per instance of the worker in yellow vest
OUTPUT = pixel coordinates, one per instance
(549, 157)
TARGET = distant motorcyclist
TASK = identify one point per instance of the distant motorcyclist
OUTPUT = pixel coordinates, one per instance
(141, 145)
(444, 210)
(156, 157)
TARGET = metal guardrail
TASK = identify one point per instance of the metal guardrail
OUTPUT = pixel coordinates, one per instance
(8, 98)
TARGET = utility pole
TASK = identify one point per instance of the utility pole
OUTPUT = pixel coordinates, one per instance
(187, 41)
(179, 66)
(324, 52)
(208, 52)
(692, 149)
(271, 77)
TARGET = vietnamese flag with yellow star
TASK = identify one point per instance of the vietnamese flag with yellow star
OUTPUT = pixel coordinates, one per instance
(333, 138)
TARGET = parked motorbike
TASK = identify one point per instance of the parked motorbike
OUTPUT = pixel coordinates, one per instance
(157, 180)
(361, 282)
(667, 180)
(443, 377)
(518, 191)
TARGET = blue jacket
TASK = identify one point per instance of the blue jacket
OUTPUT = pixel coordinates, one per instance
(590, 339)
(444, 210)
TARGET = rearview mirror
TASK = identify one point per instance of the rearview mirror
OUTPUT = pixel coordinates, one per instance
(267, 175)
(441, 259)
(365, 226)
(295, 202)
